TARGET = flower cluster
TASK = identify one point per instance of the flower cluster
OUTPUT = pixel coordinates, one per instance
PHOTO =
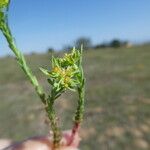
(65, 71)
(4, 3)
(3, 7)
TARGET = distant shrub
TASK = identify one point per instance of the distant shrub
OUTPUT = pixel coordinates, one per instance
(86, 42)
(67, 48)
(50, 50)
(115, 43)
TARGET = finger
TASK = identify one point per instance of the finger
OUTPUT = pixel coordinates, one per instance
(37, 143)
(67, 137)
(5, 143)
(69, 148)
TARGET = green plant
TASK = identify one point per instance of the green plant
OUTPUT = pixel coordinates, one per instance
(66, 74)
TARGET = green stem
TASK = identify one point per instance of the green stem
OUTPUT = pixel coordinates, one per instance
(21, 60)
(54, 122)
(79, 113)
(81, 89)
(80, 108)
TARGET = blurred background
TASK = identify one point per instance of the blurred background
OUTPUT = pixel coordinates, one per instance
(116, 38)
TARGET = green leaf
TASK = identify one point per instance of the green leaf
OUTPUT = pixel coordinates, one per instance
(72, 89)
(1, 15)
(46, 72)
(50, 81)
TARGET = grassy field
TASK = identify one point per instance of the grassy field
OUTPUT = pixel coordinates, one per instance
(117, 115)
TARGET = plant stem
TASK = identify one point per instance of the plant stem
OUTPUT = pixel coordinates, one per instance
(21, 60)
(54, 122)
(80, 107)
(75, 130)
(79, 113)
(48, 102)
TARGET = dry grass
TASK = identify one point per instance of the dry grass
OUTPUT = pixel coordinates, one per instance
(117, 100)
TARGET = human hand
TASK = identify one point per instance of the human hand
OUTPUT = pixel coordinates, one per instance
(45, 143)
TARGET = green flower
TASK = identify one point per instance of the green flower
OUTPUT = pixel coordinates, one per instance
(65, 71)
(4, 3)
(70, 59)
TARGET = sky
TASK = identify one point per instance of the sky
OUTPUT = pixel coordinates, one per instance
(40, 24)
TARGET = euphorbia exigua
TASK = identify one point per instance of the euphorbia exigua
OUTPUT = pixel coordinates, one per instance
(66, 74)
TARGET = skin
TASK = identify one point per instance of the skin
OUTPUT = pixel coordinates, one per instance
(45, 143)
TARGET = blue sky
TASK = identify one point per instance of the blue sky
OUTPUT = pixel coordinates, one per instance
(39, 24)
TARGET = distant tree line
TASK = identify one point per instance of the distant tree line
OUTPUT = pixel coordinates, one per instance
(115, 43)
(87, 44)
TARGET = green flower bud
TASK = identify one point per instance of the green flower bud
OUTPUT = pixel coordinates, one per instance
(65, 71)
(4, 3)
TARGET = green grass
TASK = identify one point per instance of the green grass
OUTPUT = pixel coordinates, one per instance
(117, 115)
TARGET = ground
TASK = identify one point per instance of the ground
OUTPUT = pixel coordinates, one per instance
(117, 114)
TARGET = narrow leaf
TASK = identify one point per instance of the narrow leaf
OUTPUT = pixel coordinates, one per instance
(46, 72)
